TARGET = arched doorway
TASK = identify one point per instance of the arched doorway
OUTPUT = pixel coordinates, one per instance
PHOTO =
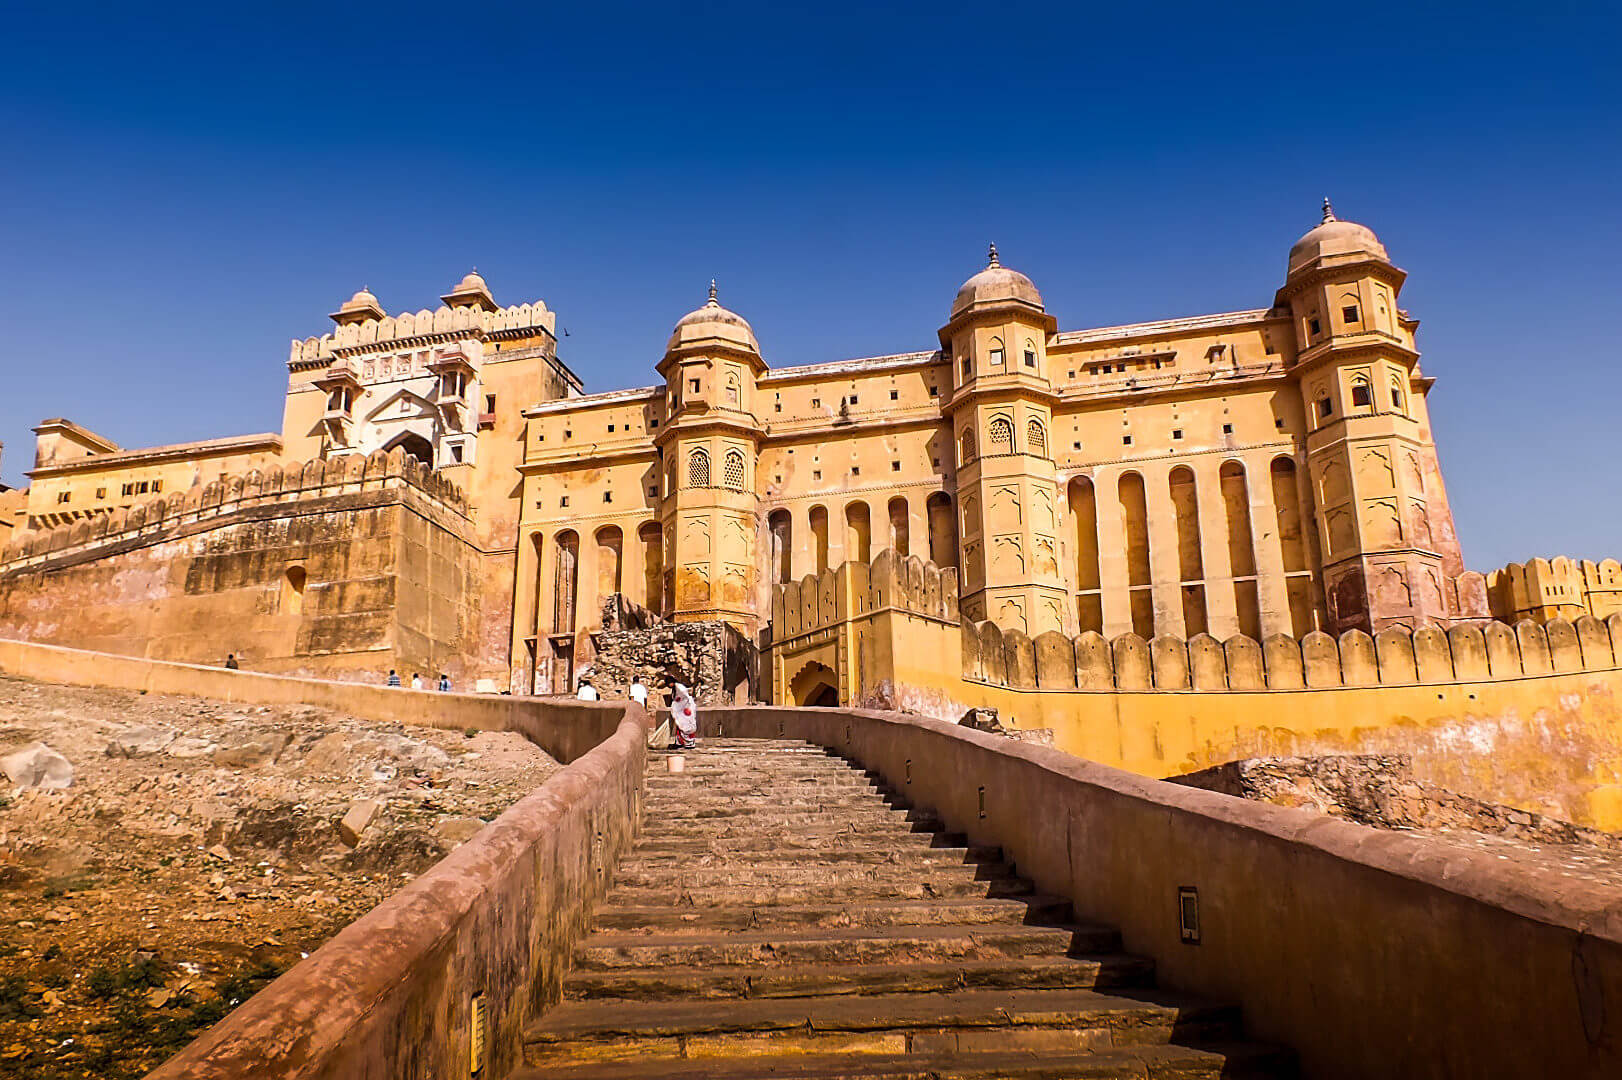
(415, 446)
(816, 685)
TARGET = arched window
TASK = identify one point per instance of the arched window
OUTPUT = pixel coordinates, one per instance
(732, 388)
(1362, 394)
(1000, 436)
(734, 470)
(1036, 438)
(966, 448)
(1030, 353)
(1396, 396)
(996, 355)
(698, 469)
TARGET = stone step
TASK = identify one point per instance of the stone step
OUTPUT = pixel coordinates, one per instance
(701, 804)
(605, 951)
(1105, 971)
(701, 843)
(1215, 1061)
(807, 872)
(767, 814)
(672, 825)
(975, 1021)
(843, 855)
(970, 911)
(937, 885)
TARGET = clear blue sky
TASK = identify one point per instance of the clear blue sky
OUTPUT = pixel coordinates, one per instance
(188, 186)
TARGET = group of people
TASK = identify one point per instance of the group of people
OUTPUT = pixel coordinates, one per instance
(416, 681)
(683, 709)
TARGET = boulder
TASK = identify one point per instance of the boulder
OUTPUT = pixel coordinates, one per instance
(139, 741)
(359, 815)
(38, 766)
(188, 746)
(251, 751)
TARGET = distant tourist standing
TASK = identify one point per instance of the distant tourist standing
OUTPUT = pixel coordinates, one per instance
(394, 678)
(231, 661)
(444, 683)
(416, 680)
(638, 693)
(684, 717)
(586, 692)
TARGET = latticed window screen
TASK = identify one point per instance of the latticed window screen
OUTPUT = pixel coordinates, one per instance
(1036, 438)
(698, 469)
(1000, 438)
(968, 447)
(734, 470)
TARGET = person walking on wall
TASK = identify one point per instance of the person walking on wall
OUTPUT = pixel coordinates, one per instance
(638, 693)
(231, 661)
(393, 679)
(684, 717)
(416, 680)
(444, 683)
(586, 692)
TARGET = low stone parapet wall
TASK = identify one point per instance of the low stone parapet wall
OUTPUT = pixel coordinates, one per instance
(1371, 953)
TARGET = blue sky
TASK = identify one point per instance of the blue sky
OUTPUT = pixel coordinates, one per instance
(185, 188)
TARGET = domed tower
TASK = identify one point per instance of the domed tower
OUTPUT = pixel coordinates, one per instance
(1002, 422)
(709, 448)
(1389, 552)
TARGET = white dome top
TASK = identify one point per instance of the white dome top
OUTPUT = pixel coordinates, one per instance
(994, 284)
(1334, 237)
(713, 321)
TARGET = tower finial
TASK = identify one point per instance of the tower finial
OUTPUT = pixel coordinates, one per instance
(1329, 211)
(713, 302)
(994, 261)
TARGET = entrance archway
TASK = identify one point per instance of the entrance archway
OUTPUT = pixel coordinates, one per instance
(816, 685)
(415, 446)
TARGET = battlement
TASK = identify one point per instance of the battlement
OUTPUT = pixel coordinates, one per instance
(1543, 589)
(1394, 657)
(855, 590)
(291, 482)
(357, 336)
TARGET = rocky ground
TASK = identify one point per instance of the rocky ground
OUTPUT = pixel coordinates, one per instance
(201, 849)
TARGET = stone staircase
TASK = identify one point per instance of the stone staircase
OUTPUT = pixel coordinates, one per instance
(785, 915)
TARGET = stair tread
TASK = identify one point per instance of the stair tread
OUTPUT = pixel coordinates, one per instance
(677, 980)
(1155, 1062)
(1021, 905)
(971, 1008)
(835, 934)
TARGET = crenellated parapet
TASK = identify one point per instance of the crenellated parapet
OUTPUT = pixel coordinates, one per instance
(859, 590)
(443, 321)
(1395, 656)
(1559, 588)
(286, 483)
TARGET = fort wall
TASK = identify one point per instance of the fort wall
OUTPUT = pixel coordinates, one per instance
(1526, 715)
(344, 568)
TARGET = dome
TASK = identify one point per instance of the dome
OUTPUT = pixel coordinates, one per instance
(472, 281)
(1334, 237)
(713, 321)
(996, 283)
(358, 308)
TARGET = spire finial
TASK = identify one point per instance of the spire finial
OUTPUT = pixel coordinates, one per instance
(713, 302)
(993, 256)
(1329, 211)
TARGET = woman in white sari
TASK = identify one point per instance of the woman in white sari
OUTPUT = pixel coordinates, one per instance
(684, 717)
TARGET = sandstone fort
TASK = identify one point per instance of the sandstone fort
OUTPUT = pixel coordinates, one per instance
(985, 633)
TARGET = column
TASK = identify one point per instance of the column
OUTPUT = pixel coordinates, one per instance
(1221, 606)
(1270, 587)
(525, 570)
(1164, 571)
(1112, 571)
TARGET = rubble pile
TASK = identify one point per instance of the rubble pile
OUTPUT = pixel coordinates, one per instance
(162, 858)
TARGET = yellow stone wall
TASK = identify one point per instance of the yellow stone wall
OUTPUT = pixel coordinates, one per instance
(1559, 588)
(1526, 715)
